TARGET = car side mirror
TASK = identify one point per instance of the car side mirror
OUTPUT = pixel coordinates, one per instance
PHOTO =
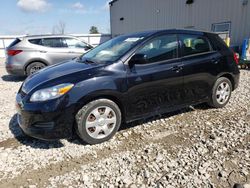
(138, 59)
(88, 48)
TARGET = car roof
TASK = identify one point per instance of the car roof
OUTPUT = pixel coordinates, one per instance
(155, 32)
(138, 34)
(47, 36)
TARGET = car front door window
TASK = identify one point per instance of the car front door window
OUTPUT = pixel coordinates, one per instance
(74, 43)
(161, 48)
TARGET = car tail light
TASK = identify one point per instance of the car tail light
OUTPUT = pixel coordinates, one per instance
(236, 58)
(13, 52)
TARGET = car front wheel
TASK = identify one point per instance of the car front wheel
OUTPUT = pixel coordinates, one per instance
(221, 93)
(98, 121)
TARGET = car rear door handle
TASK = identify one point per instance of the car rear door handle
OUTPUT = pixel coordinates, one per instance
(71, 52)
(176, 68)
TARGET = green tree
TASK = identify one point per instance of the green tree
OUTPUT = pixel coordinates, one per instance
(93, 30)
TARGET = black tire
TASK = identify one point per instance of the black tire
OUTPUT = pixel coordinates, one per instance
(213, 101)
(85, 112)
(243, 66)
(35, 65)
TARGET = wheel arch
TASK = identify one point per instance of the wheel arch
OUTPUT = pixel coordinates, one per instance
(33, 61)
(90, 98)
(115, 97)
(230, 77)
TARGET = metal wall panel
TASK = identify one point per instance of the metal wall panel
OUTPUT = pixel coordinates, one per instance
(140, 15)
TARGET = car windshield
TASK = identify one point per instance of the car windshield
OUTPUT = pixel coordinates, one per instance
(111, 50)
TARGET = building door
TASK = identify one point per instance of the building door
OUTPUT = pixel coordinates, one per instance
(223, 30)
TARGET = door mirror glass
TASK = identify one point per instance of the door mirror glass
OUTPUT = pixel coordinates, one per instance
(138, 59)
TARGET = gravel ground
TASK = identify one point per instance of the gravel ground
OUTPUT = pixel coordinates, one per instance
(2, 61)
(193, 147)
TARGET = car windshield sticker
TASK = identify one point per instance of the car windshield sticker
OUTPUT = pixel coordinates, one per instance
(133, 39)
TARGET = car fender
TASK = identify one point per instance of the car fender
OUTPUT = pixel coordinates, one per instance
(108, 88)
(228, 75)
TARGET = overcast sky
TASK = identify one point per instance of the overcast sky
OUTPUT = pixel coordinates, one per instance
(41, 16)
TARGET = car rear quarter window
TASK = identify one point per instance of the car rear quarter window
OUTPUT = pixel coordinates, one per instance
(194, 44)
(54, 42)
(161, 48)
(36, 41)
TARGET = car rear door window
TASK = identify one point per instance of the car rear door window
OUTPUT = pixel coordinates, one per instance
(54, 42)
(161, 48)
(36, 41)
(74, 43)
(194, 44)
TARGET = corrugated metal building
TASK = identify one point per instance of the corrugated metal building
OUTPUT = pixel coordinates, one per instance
(230, 16)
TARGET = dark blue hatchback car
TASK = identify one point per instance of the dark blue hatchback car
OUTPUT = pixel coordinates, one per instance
(125, 79)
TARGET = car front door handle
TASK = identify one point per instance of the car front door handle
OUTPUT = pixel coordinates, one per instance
(176, 68)
(215, 61)
(43, 51)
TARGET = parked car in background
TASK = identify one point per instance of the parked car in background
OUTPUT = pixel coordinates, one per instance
(29, 54)
(128, 78)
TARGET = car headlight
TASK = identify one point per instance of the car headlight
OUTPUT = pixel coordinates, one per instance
(51, 92)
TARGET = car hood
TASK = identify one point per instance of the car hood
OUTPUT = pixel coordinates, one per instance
(68, 72)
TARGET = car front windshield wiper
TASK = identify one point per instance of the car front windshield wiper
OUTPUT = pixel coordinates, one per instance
(78, 59)
(89, 61)
(85, 60)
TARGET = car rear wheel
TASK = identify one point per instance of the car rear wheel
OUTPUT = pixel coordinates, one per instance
(98, 121)
(243, 66)
(221, 93)
(34, 67)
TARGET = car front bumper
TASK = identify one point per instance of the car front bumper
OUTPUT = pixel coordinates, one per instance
(50, 121)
